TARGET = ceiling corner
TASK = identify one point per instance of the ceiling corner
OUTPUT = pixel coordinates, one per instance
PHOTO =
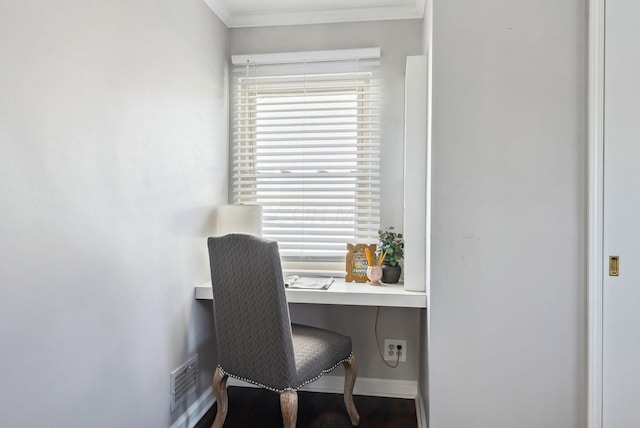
(219, 7)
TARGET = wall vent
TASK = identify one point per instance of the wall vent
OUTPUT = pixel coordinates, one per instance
(184, 380)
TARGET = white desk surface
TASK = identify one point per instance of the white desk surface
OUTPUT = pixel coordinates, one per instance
(346, 293)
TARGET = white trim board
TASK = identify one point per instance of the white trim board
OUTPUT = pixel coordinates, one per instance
(364, 386)
(196, 411)
(421, 413)
(596, 201)
(307, 56)
(301, 16)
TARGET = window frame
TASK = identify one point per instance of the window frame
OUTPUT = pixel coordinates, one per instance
(366, 144)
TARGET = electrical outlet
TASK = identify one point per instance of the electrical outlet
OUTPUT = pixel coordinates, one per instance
(394, 348)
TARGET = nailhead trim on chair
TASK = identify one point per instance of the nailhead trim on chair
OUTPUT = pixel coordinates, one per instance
(286, 389)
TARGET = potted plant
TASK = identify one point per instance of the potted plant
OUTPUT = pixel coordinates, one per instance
(391, 249)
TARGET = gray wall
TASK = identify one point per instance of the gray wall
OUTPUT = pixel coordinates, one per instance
(396, 39)
(113, 143)
(508, 330)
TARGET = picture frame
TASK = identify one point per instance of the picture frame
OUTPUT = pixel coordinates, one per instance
(356, 262)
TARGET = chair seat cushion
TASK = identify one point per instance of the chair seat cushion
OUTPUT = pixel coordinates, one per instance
(317, 352)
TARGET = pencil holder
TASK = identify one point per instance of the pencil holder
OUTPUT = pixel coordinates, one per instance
(374, 273)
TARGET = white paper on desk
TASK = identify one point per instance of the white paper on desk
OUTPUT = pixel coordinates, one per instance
(308, 283)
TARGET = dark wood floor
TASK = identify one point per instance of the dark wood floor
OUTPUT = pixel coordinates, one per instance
(259, 408)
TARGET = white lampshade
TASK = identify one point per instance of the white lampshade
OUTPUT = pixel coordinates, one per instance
(239, 219)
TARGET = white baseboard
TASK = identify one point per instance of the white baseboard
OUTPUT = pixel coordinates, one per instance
(196, 411)
(421, 413)
(364, 386)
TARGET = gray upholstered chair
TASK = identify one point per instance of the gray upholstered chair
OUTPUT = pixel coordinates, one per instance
(256, 341)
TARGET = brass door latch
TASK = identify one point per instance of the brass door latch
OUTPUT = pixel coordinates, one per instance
(614, 265)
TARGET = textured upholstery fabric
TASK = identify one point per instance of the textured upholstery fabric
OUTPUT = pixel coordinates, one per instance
(253, 329)
(250, 310)
(317, 351)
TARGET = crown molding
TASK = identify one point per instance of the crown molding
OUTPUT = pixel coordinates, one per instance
(295, 17)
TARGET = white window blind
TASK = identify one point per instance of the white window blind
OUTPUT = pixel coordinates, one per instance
(306, 148)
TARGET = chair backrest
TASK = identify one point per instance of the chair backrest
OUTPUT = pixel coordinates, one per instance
(253, 328)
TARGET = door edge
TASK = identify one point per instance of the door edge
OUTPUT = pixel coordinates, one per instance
(595, 212)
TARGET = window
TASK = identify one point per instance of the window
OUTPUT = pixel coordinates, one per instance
(306, 148)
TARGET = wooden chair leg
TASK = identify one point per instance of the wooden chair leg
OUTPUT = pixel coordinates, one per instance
(350, 374)
(220, 390)
(289, 408)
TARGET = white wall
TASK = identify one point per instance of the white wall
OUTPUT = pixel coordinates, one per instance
(113, 141)
(508, 330)
(396, 39)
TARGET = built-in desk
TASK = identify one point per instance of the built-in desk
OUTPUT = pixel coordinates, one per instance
(346, 293)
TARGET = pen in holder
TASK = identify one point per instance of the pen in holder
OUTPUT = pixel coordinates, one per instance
(374, 270)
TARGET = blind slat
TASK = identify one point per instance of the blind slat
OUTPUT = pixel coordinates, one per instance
(240, 175)
(308, 206)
